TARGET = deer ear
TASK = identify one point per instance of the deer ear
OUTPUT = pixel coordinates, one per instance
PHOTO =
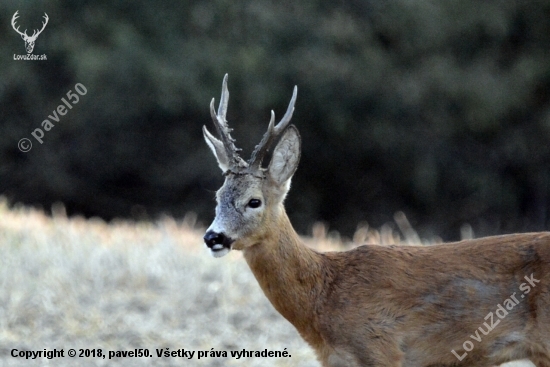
(217, 148)
(286, 156)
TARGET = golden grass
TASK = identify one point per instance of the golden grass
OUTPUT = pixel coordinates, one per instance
(86, 284)
(76, 283)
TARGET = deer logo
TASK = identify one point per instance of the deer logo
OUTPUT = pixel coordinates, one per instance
(29, 40)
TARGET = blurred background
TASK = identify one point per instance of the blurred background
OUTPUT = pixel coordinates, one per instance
(439, 109)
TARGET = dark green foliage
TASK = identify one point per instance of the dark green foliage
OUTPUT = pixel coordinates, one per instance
(439, 109)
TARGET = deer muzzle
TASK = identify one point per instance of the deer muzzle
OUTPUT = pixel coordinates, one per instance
(218, 243)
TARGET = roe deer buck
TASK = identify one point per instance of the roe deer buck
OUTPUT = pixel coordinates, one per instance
(472, 303)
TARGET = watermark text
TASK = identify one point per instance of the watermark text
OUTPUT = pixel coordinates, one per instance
(39, 133)
(502, 310)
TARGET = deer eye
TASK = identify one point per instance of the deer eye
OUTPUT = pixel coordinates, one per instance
(254, 203)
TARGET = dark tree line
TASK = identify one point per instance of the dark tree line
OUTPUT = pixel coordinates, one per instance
(437, 109)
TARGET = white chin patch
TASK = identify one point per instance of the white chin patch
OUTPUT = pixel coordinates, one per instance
(220, 252)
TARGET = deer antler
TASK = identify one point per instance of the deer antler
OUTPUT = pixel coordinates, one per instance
(272, 134)
(35, 34)
(13, 19)
(24, 34)
(223, 129)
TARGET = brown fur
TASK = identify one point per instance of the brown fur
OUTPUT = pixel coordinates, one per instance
(407, 305)
(424, 306)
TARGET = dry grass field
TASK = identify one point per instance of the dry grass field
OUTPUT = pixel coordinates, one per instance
(84, 284)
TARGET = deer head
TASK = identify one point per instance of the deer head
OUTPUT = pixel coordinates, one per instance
(251, 195)
(29, 40)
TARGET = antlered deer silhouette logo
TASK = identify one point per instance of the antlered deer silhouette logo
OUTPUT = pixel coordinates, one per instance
(29, 40)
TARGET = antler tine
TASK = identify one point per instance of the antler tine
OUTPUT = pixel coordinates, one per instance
(272, 133)
(288, 114)
(37, 32)
(223, 129)
(224, 100)
(13, 20)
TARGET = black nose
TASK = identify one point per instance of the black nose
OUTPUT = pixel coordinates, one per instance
(212, 238)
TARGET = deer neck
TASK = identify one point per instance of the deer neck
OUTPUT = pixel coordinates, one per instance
(289, 273)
